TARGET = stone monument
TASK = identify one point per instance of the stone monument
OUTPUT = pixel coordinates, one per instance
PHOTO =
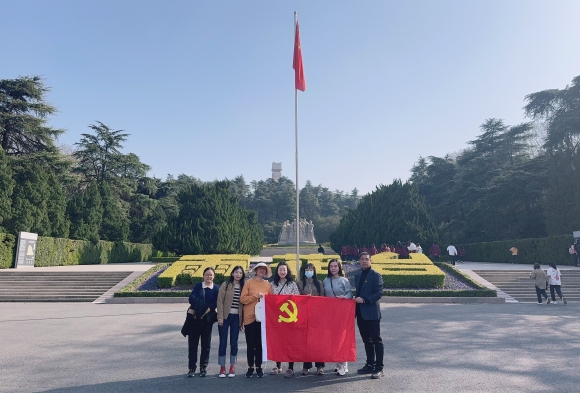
(304, 228)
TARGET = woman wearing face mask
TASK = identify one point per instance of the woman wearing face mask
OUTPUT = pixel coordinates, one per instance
(230, 315)
(255, 289)
(283, 284)
(203, 299)
(336, 285)
(311, 286)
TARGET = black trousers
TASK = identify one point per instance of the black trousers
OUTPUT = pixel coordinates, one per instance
(370, 332)
(558, 289)
(254, 344)
(200, 329)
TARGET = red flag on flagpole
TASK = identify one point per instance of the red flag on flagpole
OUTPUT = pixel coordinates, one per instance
(308, 329)
(299, 79)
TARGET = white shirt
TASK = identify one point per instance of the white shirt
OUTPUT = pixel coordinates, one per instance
(412, 247)
(419, 250)
(451, 250)
(554, 275)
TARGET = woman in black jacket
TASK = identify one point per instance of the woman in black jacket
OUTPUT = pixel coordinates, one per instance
(203, 301)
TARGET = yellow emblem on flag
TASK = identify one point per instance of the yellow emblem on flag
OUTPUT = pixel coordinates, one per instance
(292, 316)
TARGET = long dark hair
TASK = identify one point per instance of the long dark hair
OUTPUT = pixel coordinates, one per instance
(314, 278)
(553, 265)
(289, 277)
(340, 273)
(231, 279)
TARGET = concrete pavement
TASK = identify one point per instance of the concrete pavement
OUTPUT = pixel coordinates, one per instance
(82, 347)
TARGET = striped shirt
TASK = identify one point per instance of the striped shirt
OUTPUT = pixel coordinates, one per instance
(236, 302)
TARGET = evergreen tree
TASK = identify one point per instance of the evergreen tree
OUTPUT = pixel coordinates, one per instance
(86, 214)
(210, 221)
(23, 117)
(560, 109)
(7, 184)
(388, 214)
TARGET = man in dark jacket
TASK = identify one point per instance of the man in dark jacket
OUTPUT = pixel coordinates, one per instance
(369, 290)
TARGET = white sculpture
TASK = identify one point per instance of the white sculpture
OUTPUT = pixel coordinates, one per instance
(304, 228)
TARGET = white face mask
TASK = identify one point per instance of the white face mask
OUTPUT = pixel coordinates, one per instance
(309, 273)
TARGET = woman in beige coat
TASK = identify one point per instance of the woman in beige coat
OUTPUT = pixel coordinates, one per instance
(541, 279)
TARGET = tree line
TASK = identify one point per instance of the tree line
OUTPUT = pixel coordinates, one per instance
(511, 182)
(95, 191)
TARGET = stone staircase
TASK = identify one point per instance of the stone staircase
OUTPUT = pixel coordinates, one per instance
(20, 286)
(519, 285)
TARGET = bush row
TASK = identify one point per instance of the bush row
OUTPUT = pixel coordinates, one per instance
(51, 251)
(540, 250)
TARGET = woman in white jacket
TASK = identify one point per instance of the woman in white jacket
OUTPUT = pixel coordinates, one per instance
(553, 274)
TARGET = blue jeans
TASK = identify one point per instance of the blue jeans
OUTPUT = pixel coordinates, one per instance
(540, 293)
(231, 323)
(558, 290)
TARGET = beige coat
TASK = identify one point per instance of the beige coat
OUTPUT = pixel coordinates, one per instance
(540, 276)
(225, 300)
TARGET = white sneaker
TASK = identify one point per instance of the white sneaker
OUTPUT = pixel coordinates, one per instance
(341, 371)
(554, 302)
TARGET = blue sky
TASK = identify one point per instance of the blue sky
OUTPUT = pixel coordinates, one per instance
(206, 88)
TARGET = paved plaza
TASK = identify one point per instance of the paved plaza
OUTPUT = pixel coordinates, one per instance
(84, 347)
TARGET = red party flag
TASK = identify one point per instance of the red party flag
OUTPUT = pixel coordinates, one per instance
(299, 79)
(308, 329)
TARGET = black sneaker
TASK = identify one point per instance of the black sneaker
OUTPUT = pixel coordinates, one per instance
(259, 372)
(202, 372)
(377, 374)
(250, 372)
(367, 369)
(191, 372)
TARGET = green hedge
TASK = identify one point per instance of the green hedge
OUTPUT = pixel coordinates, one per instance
(7, 249)
(540, 250)
(165, 259)
(52, 251)
(413, 281)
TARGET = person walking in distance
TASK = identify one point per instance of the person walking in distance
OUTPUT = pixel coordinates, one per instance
(514, 252)
(555, 278)
(540, 279)
(369, 290)
(452, 252)
(435, 251)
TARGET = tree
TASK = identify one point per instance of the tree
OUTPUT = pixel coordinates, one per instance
(23, 117)
(7, 184)
(210, 221)
(388, 214)
(560, 110)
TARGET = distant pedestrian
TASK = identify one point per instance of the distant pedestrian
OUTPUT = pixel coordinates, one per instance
(435, 251)
(419, 249)
(461, 254)
(452, 252)
(320, 249)
(555, 278)
(540, 278)
(514, 252)
(577, 249)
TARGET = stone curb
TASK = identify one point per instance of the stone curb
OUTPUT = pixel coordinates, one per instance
(384, 299)
(459, 300)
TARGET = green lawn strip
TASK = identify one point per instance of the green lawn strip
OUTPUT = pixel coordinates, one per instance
(130, 290)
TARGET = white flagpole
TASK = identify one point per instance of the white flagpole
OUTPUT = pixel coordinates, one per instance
(297, 192)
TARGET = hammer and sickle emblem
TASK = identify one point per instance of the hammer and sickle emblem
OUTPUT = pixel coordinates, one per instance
(292, 315)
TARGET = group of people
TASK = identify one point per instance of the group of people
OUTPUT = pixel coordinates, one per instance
(232, 307)
(455, 254)
(351, 253)
(551, 278)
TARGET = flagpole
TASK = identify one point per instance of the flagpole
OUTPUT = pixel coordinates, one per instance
(297, 192)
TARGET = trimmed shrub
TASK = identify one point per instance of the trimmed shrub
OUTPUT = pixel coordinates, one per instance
(189, 269)
(540, 250)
